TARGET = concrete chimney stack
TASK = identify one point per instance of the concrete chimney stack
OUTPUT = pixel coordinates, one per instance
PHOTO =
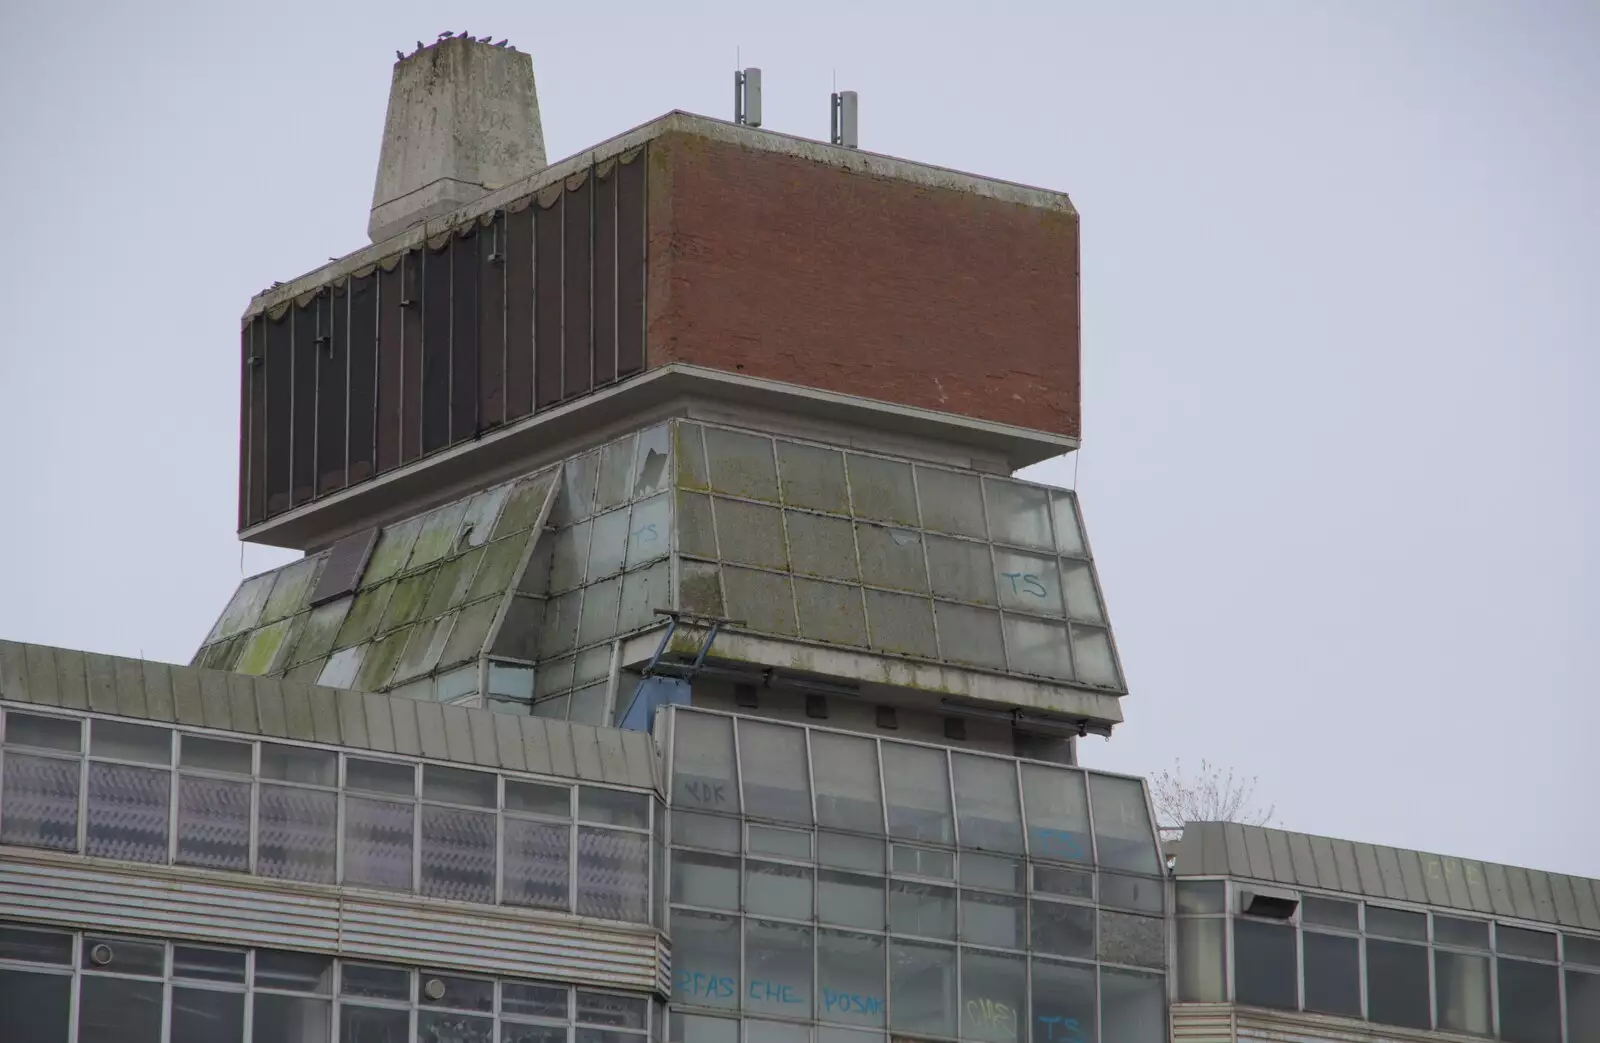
(463, 120)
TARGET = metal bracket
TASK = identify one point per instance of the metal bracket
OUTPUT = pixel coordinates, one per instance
(714, 625)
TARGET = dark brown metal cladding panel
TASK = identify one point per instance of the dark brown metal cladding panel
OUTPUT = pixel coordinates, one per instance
(333, 389)
(279, 367)
(411, 303)
(363, 375)
(249, 447)
(341, 574)
(519, 313)
(436, 347)
(492, 324)
(464, 337)
(303, 466)
(390, 320)
(577, 224)
(547, 273)
(630, 266)
(605, 279)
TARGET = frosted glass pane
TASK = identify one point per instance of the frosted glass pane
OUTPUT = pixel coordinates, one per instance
(650, 462)
(901, 623)
(588, 705)
(699, 587)
(569, 556)
(130, 742)
(922, 980)
(821, 546)
(608, 545)
(881, 490)
(988, 814)
(1058, 813)
(616, 473)
(774, 760)
(1123, 834)
(127, 817)
(892, 557)
(1018, 514)
(1069, 532)
(705, 959)
(213, 823)
(536, 863)
(1027, 582)
(377, 843)
(392, 551)
(599, 618)
(1083, 602)
(850, 978)
(762, 600)
(969, 635)
(1063, 930)
(703, 766)
(778, 968)
(689, 453)
(1038, 647)
(741, 464)
(458, 854)
(813, 477)
(776, 889)
(1141, 940)
(846, 771)
(830, 612)
(482, 511)
(1092, 658)
(649, 529)
(751, 534)
(613, 874)
(297, 837)
(917, 785)
(643, 592)
(342, 667)
(438, 536)
(962, 571)
(995, 989)
(39, 801)
(696, 534)
(951, 502)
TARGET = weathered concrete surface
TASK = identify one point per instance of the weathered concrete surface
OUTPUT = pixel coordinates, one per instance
(463, 121)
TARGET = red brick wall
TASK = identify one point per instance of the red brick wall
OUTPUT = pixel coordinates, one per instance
(793, 270)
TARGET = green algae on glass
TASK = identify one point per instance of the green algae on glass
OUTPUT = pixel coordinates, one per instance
(499, 567)
(482, 512)
(220, 655)
(892, 557)
(294, 585)
(616, 474)
(438, 536)
(689, 454)
(813, 477)
(261, 648)
(322, 625)
(750, 534)
(244, 609)
(882, 490)
(423, 649)
(470, 632)
(696, 534)
(405, 604)
(741, 464)
(763, 600)
(452, 583)
(821, 546)
(901, 624)
(365, 615)
(392, 552)
(830, 612)
(699, 588)
(524, 504)
(308, 671)
(380, 660)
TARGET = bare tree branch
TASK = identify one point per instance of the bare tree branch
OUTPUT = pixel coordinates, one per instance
(1213, 794)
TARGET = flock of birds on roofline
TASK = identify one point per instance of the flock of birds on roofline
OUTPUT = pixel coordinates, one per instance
(446, 35)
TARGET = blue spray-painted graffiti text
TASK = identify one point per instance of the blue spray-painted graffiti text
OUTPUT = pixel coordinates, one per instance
(836, 1002)
(1026, 583)
(1058, 843)
(1057, 1027)
(704, 986)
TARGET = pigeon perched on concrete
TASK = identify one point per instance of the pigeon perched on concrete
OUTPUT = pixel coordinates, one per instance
(399, 56)
(419, 45)
(486, 39)
(446, 35)
(502, 43)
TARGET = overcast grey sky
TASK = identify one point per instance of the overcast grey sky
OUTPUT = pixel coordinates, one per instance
(1341, 285)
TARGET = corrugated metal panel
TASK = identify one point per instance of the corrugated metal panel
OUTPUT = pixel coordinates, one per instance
(1202, 1022)
(1305, 863)
(1521, 893)
(1255, 849)
(1282, 860)
(1389, 872)
(1433, 879)
(1411, 876)
(175, 903)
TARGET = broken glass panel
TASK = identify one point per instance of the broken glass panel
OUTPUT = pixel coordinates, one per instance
(650, 463)
(892, 557)
(482, 512)
(882, 490)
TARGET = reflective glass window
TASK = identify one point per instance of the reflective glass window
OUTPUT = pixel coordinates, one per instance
(1201, 969)
(1461, 986)
(1124, 838)
(1265, 968)
(1397, 983)
(1057, 813)
(776, 785)
(988, 814)
(1530, 1005)
(848, 792)
(922, 982)
(917, 785)
(850, 978)
(1133, 1007)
